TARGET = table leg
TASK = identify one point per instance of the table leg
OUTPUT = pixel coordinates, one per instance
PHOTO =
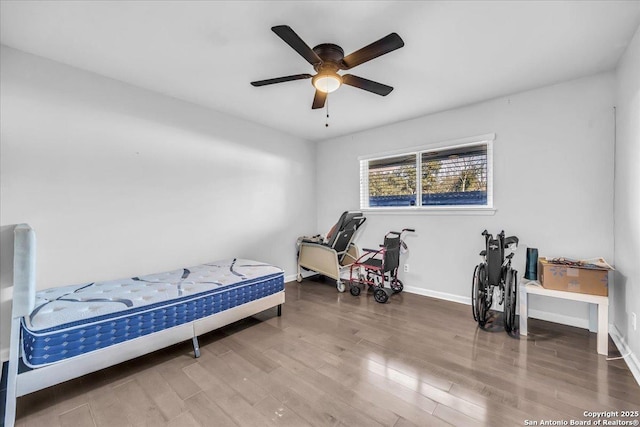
(603, 329)
(593, 317)
(523, 309)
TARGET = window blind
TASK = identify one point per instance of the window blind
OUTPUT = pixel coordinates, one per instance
(451, 176)
(391, 181)
(455, 176)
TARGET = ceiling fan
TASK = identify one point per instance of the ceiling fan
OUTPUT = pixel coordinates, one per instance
(328, 58)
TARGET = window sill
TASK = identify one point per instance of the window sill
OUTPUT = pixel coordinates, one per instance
(445, 210)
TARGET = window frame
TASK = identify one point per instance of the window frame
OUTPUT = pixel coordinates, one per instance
(488, 209)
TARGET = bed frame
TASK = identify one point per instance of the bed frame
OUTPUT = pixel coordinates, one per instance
(20, 383)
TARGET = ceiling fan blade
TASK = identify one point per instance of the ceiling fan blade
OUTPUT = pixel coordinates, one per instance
(319, 99)
(368, 85)
(292, 39)
(281, 79)
(375, 49)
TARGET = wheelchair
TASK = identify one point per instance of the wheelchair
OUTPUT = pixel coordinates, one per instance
(378, 267)
(495, 272)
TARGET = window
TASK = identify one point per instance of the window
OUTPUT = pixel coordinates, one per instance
(392, 181)
(452, 176)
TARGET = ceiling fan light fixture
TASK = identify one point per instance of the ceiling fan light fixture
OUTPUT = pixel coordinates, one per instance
(327, 82)
(327, 59)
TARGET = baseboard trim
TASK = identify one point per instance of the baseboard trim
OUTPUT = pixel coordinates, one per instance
(536, 314)
(307, 274)
(623, 348)
(290, 278)
(436, 294)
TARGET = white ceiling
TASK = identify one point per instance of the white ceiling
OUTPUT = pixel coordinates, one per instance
(455, 53)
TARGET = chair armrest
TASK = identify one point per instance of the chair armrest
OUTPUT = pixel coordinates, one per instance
(319, 258)
(353, 253)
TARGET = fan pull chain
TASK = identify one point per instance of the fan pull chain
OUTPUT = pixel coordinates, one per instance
(326, 123)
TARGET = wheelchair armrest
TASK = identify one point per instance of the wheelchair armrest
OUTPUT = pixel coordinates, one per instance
(511, 240)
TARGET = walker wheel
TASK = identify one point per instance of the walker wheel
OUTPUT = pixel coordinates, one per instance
(341, 286)
(355, 290)
(397, 286)
(380, 296)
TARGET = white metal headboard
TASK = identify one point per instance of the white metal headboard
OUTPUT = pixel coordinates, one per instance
(24, 271)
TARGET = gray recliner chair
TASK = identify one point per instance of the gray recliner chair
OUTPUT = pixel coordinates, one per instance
(334, 254)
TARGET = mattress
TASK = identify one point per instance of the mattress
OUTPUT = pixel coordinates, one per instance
(72, 320)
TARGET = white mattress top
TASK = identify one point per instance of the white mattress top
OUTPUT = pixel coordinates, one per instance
(80, 303)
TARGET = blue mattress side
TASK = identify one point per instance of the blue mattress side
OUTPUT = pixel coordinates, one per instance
(72, 339)
(129, 312)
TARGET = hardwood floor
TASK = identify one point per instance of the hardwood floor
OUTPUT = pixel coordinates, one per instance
(337, 360)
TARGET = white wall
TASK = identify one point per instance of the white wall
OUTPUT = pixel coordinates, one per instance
(120, 181)
(626, 298)
(553, 186)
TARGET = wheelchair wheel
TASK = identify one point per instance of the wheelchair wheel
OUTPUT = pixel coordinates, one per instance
(483, 298)
(474, 293)
(380, 295)
(478, 292)
(397, 286)
(354, 290)
(510, 301)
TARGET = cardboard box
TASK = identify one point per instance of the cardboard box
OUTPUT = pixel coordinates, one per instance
(592, 280)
